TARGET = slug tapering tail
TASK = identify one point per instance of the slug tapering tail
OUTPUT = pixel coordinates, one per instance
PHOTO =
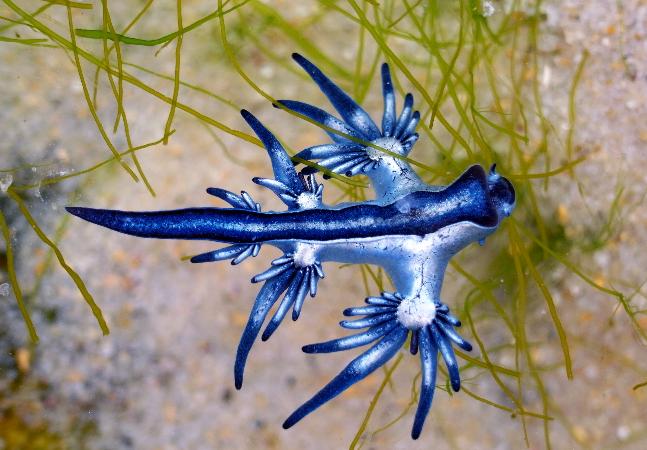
(215, 224)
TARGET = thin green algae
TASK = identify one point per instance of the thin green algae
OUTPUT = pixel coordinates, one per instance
(476, 82)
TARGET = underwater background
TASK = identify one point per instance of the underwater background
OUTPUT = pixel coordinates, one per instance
(107, 104)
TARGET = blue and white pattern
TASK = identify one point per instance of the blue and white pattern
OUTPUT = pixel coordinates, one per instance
(411, 229)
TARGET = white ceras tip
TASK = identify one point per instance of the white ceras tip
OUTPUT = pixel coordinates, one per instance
(415, 313)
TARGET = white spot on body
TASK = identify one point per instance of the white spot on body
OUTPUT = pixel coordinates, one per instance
(308, 200)
(388, 143)
(4, 289)
(415, 313)
(305, 255)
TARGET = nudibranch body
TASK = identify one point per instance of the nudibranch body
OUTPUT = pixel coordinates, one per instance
(411, 229)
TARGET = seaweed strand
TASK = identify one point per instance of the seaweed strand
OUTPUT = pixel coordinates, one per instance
(96, 310)
(13, 279)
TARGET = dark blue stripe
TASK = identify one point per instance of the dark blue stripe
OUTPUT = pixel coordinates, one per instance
(418, 213)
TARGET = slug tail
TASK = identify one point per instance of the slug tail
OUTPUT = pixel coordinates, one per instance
(142, 224)
(213, 224)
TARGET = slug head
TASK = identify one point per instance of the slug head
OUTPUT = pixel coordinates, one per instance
(501, 192)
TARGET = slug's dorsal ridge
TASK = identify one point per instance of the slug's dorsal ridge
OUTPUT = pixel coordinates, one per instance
(473, 185)
(473, 179)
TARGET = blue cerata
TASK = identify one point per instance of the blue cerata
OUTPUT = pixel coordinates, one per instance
(411, 229)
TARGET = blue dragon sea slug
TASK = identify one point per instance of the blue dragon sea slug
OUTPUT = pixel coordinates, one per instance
(411, 229)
